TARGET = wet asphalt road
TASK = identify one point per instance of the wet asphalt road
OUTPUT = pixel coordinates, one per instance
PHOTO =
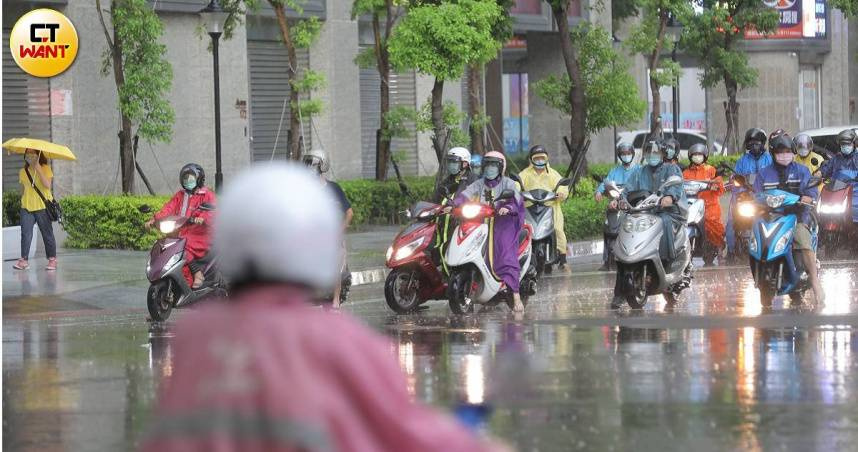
(714, 373)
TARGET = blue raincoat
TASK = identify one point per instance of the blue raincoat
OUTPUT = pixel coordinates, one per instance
(619, 175)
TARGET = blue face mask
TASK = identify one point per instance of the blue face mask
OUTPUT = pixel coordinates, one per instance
(846, 149)
(190, 183)
(654, 159)
(671, 153)
(626, 158)
(540, 164)
(453, 167)
(491, 172)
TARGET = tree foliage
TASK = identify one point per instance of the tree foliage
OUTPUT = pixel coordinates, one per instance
(849, 7)
(147, 73)
(440, 40)
(610, 93)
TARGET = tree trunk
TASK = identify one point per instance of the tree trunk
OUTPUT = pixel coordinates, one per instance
(383, 63)
(732, 112)
(440, 129)
(296, 139)
(578, 117)
(475, 108)
(655, 117)
(126, 151)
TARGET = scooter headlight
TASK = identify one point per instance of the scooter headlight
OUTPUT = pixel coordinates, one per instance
(832, 209)
(389, 253)
(638, 225)
(629, 225)
(167, 226)
(747, 209)
(781, 244)
(470, 211)
(775, 201)
(408, 250)
(172, 261)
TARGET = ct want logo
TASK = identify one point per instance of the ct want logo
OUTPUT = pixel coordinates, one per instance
(43, 43)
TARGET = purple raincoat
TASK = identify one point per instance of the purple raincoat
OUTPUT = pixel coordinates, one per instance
(506, 228)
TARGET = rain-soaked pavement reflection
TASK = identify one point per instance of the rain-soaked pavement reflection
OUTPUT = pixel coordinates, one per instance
(717, 372)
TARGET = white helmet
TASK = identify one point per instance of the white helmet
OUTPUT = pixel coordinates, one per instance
(276, 223)
(317, 158)
(461, 153)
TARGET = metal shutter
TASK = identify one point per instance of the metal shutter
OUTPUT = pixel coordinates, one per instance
(26, 111)
(403, 92)
(269, 87)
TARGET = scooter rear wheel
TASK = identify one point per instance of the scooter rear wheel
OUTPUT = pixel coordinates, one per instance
(160, 300)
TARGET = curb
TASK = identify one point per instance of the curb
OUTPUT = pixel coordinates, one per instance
(577, 250)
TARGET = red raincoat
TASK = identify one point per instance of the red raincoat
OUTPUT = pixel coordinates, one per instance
(270, 372)
(712, 216)
(197, 236)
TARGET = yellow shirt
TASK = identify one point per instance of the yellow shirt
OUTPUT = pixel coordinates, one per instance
(807, 161)
(30, 200)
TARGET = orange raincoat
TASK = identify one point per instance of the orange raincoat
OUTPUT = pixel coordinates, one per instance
(712, 217)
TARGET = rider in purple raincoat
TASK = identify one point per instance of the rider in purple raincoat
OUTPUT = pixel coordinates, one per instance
(508, 223)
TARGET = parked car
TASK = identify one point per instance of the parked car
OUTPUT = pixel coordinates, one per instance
(824, 139)
(686, 138)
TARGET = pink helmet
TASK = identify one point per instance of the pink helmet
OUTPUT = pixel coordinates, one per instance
(495, 155)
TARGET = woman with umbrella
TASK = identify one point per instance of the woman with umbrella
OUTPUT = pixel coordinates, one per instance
(36, 179)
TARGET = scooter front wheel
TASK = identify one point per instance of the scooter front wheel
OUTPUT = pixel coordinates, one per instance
(459, 291)
(160, 300)
(635, 290)
(401, 290)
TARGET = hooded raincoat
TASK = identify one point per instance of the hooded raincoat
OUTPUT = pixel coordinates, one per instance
(505, 229)
(650, 178)
(532, 179)
(711, 199)
(197, 236)
(271, 372)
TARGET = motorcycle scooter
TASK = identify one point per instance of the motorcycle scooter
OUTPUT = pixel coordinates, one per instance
(837, 228)
(540, 217)
(415, 277)
(743, 211)
(169, 276)
(468, 258)
(700, 246)
(640, 270)
(776, 270)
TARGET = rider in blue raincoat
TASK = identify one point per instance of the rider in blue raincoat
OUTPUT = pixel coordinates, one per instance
(618, 175)
(787, 175)
(845, 165)
(756, 157)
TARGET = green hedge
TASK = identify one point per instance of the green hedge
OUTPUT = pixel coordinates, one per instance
(380, 202)
(11, 208)
(109, 221)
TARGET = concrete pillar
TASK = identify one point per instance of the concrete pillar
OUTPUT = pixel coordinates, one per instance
(339, 124)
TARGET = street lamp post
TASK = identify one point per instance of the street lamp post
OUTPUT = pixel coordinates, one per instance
(214, 18)
(675, 95)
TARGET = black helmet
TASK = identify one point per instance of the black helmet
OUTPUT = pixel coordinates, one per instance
(782, 141)
(699, 148)
(773, 135)
(536, 150)
(803, 141)
(195, 170)
(755, 134)
(847, 136)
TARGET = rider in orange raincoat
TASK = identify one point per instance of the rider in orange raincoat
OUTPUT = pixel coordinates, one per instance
(699, 170)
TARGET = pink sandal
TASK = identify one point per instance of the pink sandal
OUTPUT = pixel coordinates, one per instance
(22, 264)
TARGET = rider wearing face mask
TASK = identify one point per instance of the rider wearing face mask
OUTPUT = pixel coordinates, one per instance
(787, 175)
(186, 202)
(845, 164)
(540, 176)
(458, 168)
(699, 170)
(756, 157)
(805, 155)
(650, 177)
(671, 151)
(508, 223)
(619, 175)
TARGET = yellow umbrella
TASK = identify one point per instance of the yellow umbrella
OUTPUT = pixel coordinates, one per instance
(49, 150)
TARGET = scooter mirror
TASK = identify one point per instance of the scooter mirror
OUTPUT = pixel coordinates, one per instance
(814, 181)
(144, 209)
(565, 182)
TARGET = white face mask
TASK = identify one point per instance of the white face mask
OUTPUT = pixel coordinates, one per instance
(698, 159)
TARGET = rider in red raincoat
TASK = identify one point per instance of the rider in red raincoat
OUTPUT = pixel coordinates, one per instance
(186, 202)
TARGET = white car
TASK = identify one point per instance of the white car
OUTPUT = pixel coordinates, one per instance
(686, 138)
(824, 139)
